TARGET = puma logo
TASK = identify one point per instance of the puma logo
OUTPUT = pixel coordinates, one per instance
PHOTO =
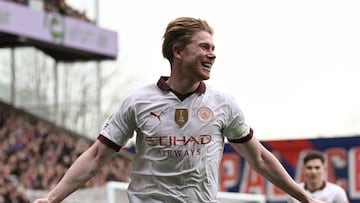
(156, 115)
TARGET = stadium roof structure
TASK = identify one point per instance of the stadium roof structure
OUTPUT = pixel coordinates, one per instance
(64, 38)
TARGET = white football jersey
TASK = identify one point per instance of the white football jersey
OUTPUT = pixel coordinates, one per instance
(329, 193)
(179, 142)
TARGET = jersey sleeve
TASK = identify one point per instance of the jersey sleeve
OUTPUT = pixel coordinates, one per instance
(236, 129)
(120, 127)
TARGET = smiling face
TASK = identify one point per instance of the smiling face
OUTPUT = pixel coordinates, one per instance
(197, 57)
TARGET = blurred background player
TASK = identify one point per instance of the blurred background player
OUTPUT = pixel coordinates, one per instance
(315, 184)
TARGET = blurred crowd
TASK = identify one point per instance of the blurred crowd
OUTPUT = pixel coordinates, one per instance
(59, 6)
(34, 155)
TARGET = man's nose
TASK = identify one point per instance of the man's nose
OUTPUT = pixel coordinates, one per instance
(211, 56)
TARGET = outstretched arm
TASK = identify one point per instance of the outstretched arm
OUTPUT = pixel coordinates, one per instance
(84, 168)
(266, 164)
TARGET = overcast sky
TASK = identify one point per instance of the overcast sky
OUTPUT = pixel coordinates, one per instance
(293, 66)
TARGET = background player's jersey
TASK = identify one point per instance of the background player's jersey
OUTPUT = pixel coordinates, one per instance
(179, 143)
(330, 193)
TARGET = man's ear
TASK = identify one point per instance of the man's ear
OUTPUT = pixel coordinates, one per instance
(177, 50)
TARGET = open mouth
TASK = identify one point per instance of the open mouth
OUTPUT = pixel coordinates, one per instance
(207, 66)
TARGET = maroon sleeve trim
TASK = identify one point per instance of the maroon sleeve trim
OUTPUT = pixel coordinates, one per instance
(244, 139)
(108, 142)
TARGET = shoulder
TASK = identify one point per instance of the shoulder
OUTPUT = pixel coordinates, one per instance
(339, 194)
(218, 95)
(137, 96)
(224, 102)
(149, 89)
(334, 187)
(141, 93)
(337, 191)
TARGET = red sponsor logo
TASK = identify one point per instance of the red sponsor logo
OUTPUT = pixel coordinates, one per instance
(177, 140)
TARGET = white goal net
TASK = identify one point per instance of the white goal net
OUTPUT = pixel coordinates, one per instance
(116, 192)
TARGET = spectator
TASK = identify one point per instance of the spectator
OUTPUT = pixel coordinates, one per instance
(34, 155)
(60, 6)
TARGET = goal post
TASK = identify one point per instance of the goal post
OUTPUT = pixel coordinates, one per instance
(116, 192)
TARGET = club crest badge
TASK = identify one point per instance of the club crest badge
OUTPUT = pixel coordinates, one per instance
(181, 116)
(205, 114)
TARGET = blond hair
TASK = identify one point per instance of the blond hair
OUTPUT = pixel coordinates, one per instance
(181, 31)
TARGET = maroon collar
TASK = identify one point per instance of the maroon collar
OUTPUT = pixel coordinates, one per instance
(320, 188)
(165, 87)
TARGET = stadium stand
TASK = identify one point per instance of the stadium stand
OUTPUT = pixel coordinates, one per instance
(34, 154)
(58, 6)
